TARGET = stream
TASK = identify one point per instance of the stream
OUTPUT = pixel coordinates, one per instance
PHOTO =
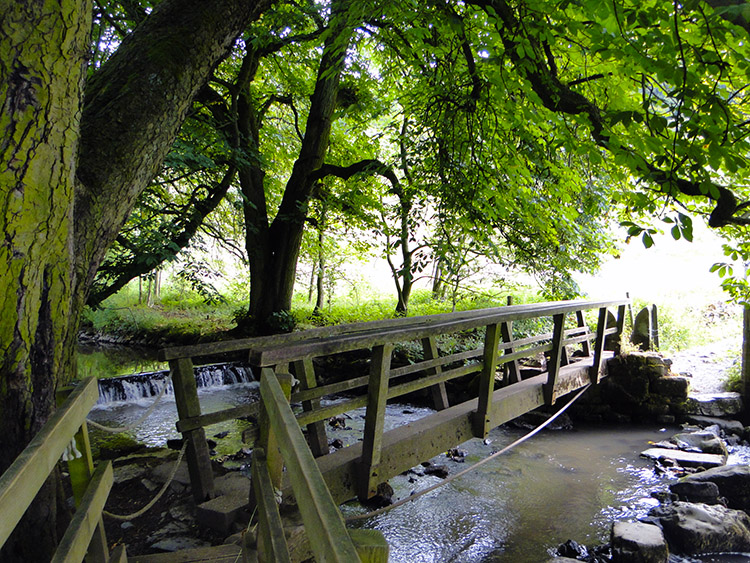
(560, 485)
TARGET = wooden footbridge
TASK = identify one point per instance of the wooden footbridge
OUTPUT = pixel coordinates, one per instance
(300, 465)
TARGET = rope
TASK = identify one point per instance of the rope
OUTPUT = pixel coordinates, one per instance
(418, 494)
(137, 422)
(158, 495)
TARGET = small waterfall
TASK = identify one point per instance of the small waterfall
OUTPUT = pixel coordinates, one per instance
(143, 385)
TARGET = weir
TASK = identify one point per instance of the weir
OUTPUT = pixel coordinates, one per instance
(575, 338)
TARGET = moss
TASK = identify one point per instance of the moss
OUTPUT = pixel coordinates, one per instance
(114, 446)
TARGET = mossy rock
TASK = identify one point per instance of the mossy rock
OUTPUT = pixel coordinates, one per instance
(116, 445)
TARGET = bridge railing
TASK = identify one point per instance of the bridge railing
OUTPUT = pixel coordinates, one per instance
(282, 444)
(22, 480)
(296, 351)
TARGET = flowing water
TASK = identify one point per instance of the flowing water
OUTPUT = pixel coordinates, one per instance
(560, 485)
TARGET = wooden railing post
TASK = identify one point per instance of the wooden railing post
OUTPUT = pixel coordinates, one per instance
(316, 431)
(601, 327)
(439, 395)
(586, 344)
(556, 355)
(272, 546)
(482, 419)
(377, 395)
(81, 469)
(188, 405)
(514, 374)
(268, 440)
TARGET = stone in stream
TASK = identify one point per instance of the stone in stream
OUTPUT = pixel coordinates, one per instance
(706, 442)
(733, 482)
(727, 426)
(685, 459)
(696, 491)
(692, 529)
(638, 542)
(714, 404)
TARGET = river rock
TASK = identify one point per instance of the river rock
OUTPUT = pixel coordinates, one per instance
(696, 491)
(707, 442)
(714, 404)
(638, 542)
(733, 482)
(727, 426)
(701, 528)
(685, 459)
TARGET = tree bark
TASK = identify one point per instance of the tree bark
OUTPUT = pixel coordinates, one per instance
(68, 181)
(273, 249)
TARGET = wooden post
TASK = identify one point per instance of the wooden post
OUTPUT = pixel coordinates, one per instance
(377, 395)
(272, 546)
(370, 544)
(514, 374)
(482, 418)
(746, 357)
(654, 336)
(439, 395)
(268, 440)
(553, 366)
(586, 344)
(620, 326)
(81, 469)
(198, 458)
(316, 431)
(601, 326)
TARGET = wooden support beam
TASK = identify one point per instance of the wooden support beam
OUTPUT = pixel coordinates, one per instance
(28, 472)
(377, 396)
(585, 344)
(328, 536)
(439, 395)
(74, 544)
(80, 470)
(506, 331)
(555, 360)
(371, 545)
(272, 546)
(601, 329)
(487, 381)
(316, 431)
(188, 406)
(268, 437)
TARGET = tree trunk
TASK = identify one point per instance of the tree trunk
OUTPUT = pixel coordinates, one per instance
(273, 249)
(57, 218)
(41, 47)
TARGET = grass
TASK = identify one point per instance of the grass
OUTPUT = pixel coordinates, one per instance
(686, 320)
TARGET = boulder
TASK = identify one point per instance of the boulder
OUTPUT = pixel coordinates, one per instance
(727, 426)
(638, 542)
(707, 442)
(696, 491)
(733, 482)
(714, 404)
(701, 528)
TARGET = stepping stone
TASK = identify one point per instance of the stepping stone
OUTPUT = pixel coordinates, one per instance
(714, 404)
(221, 512)
(685, 459)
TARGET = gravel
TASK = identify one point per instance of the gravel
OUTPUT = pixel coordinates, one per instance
(707, 365)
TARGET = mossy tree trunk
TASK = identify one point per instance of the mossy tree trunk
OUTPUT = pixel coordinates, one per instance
(70, 171)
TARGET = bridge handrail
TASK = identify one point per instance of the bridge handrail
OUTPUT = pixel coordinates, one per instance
(21, 482)
(353, 334)
(327, 533)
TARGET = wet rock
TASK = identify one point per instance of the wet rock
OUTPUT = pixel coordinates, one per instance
(179, 543)
(701, 528)
(685, 459)
(572, 549)
(383, 497)
(733, 482)
(638, 542)
(672, 386)
(437, 470)
(706, 442)
(696, 491)
(728, 426)
(714, 404)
